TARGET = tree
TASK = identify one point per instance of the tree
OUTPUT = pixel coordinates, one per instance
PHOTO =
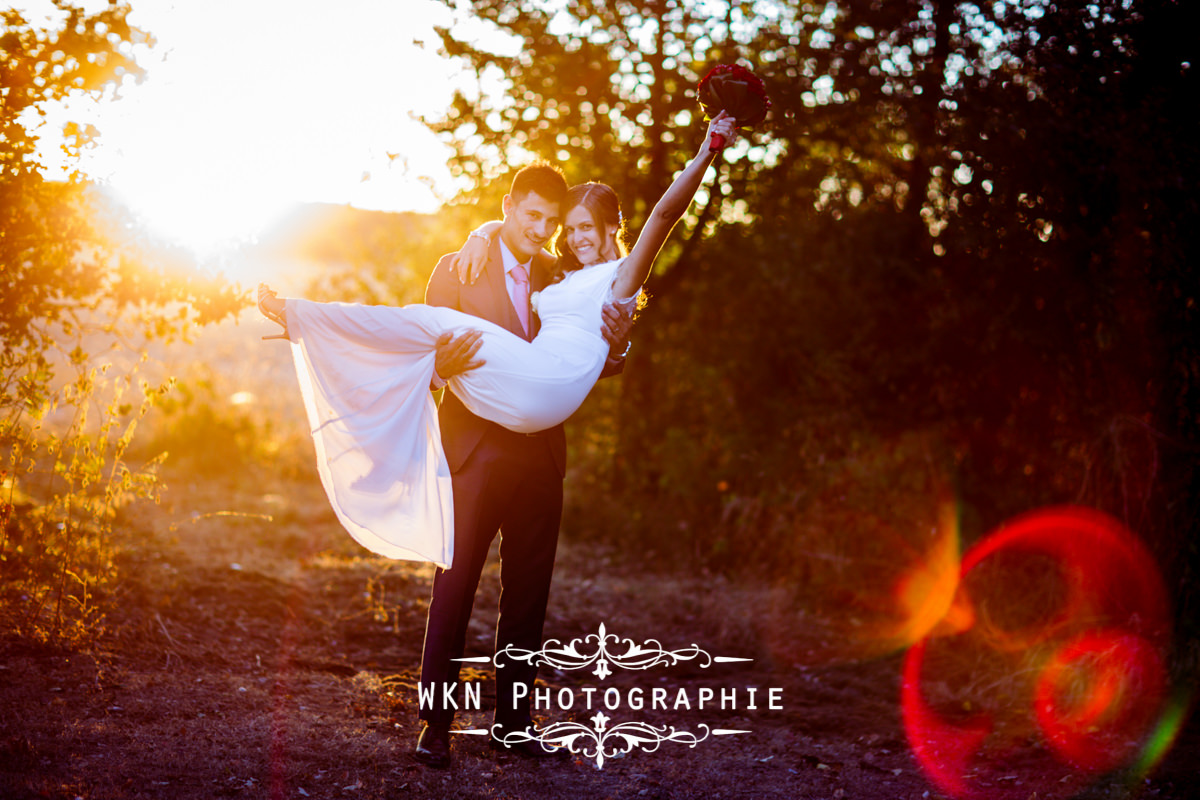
(75, 277)
(963, 219)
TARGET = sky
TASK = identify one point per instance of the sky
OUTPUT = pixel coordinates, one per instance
(250, 106)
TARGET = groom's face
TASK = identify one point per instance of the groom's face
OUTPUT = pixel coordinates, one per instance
(529, 223)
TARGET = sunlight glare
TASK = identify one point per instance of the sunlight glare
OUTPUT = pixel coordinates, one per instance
(250, 108)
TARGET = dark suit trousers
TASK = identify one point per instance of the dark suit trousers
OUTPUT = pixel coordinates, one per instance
(509, 483)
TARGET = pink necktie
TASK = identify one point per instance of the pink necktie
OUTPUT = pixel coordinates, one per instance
(521, 295)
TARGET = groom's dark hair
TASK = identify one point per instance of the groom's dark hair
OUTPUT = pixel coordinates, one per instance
(541, 177)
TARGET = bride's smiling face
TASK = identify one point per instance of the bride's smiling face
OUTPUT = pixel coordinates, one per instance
(591, 243)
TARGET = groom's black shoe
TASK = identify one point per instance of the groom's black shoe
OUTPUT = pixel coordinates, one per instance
(433, 746)
(530, 750)
(525, 748)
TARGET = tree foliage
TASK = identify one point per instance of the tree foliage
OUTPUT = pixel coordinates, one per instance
(77, 282)
(967, 233)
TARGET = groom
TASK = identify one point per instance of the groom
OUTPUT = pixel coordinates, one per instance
(502, 481)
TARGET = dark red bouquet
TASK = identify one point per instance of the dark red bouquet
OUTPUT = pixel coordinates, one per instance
(735, 90)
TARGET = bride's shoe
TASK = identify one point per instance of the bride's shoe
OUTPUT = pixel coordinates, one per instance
(280, 318)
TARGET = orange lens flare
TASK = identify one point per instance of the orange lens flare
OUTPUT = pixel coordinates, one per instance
(925, 596)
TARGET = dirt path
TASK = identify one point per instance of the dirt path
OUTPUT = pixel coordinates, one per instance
(254, 652)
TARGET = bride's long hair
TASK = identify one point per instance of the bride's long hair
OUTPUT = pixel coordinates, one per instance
(602, 203)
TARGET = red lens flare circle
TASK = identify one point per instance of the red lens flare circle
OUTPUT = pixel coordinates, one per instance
(1057, 668)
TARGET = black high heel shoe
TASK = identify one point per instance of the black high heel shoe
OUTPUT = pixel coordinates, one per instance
(264, 293)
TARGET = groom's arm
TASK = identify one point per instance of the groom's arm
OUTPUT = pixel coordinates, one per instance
(455, 355)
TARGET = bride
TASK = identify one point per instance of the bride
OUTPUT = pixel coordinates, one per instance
(365, 371)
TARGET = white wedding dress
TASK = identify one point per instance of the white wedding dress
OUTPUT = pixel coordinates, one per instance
(364, 374)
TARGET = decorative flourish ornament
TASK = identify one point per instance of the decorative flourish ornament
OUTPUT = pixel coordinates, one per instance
(604, 651)
(574, 655)
(601, 742)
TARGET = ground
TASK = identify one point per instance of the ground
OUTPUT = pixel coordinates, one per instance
(252, 650)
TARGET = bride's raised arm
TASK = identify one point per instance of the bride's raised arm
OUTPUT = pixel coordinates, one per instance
(668, 210)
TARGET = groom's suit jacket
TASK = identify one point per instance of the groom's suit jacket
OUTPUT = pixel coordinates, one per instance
(488, 299)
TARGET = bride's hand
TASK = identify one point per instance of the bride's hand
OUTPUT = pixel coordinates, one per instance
(721, 125)
(469, 261)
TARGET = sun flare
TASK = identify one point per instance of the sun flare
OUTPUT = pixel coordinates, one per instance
(249, 108)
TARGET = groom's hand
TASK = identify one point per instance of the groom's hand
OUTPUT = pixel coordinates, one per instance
(616, 323)
(456, 354)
